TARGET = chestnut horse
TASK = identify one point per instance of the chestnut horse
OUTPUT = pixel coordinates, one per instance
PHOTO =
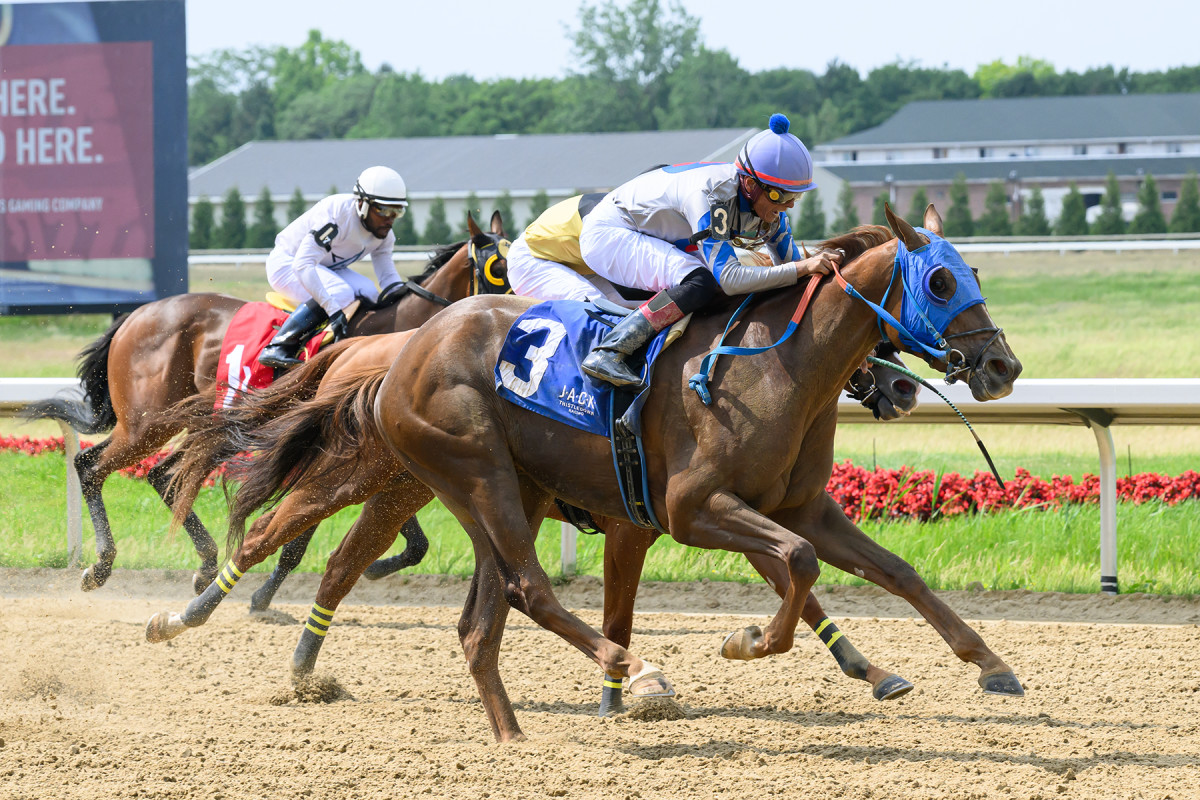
(745, 474)
(167, 351)
(321, 472)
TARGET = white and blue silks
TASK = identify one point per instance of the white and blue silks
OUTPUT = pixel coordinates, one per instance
(539, 367)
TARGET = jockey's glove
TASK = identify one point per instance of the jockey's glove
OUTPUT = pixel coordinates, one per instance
(339, 325)
(390, 293)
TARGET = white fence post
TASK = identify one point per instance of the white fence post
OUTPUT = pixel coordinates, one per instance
(568, 549)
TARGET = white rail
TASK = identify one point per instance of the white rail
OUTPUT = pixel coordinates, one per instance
(1098, 404)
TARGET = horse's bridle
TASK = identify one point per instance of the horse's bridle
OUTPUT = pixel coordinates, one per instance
(484, 261)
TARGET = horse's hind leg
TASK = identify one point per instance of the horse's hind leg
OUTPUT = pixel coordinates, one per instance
(625, 549)
(415, 548)
(884, 685)
(159, 477)
(840, 543)
(480, 630)
(368, 538)
(289, 558)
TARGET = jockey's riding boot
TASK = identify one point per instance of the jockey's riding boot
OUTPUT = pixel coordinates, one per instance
(297, 329)
(606, 362)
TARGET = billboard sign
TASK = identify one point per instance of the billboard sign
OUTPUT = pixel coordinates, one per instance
(93, 169)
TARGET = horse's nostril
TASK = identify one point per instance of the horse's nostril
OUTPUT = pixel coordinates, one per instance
(904, 387)
(998, 367)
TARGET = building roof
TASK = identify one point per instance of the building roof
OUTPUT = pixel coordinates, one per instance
(456, 165)
(1027, 169)
(1034, 119)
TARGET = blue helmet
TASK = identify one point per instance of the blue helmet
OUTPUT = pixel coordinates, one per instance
(776, 158)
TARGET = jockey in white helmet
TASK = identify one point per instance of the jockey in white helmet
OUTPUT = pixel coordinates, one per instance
(310, 264)
(673, 231)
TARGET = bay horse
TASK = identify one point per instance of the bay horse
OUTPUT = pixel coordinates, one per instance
(319, 467)
(167, 351)
(745, 474)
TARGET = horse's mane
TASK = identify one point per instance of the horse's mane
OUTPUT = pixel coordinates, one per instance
(858, 241)
(441, 255)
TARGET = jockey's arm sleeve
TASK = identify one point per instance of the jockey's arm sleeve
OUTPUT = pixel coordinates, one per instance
(781, 245)
(733, 276)
(385, 266)
(308, 257)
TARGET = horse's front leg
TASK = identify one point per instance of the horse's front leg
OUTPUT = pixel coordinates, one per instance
(723, 521)
(840, 543)
(884, 685)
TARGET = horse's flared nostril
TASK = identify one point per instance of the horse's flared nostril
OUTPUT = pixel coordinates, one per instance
(904, 388)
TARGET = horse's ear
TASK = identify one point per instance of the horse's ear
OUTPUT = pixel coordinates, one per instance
(933, 221)
(472, 228)
(497, 223)
(905, 232)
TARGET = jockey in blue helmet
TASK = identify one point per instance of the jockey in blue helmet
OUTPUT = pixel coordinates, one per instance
(674, 231)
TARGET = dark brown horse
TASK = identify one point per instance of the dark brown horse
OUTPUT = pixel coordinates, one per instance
(167, 351)
(746, 474)
(317, 475)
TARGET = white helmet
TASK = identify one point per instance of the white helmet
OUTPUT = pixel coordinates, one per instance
(382, 186)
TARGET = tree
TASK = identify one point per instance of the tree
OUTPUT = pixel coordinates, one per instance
(1033, 220)
(958, 221)
(262, 232)
(1149, 218)
(437, 230)
(537, 204)
(878, 217)
(1186, 218)
(404, 229)
(995, 221)
(811, 225)
(504, 206)
(472, 208)
(201, 235)
(232, 232)
(311, 67)
(995, 77)
(1110, 222)
(706, 91)
(847, 216)
(1072, 220)
(297, 205)
(627, 56)
(916, 211)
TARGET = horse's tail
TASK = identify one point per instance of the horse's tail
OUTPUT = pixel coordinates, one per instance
(216, 438)
(305, 442)
(94, 413)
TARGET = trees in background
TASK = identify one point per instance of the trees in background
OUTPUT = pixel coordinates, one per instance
(1072, 220)
(810, 225)
(201, 235)
(537, 204)
(957, 221)
(995, 220)
(1110, 222)
(297, 205)
(231, 234)
(916, 210)
(262, 231)
(1032, 221)
(847, 214)
(1186, 217)
(437, 230)
(1149, 217)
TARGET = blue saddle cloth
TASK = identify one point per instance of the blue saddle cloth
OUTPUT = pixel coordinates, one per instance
(538, 367)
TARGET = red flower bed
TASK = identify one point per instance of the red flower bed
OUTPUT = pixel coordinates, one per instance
(882, 493)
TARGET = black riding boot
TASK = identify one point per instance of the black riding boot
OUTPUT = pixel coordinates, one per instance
(297, 329)
(606, 362)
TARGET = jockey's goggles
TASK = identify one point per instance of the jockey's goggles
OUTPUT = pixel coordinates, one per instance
(388, 212)
(776, 195)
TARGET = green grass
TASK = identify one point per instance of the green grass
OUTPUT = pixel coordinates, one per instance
(1035, 550)
(1071, 316)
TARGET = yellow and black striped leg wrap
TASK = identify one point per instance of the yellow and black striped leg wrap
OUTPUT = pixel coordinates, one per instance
(852, 662)
(304, 659)
(610, 698)
(199, 610)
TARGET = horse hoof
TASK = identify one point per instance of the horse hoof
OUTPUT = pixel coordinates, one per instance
(376, 570)
(891, 687)
(649, 681)
(201, 581)
(740, 645)
(92, 579)
(1004, 683)
(163, 627)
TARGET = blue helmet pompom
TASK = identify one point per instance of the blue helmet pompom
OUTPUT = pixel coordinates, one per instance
(779, 123)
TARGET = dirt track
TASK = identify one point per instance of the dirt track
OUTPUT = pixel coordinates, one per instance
(90, 710)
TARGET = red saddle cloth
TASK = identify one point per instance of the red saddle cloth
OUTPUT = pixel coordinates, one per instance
(252, 328)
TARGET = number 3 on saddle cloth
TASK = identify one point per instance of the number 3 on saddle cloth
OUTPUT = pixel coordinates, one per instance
(538, 369)
(252, 327)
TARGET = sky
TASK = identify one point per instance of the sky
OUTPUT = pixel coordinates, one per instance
(529, 38)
